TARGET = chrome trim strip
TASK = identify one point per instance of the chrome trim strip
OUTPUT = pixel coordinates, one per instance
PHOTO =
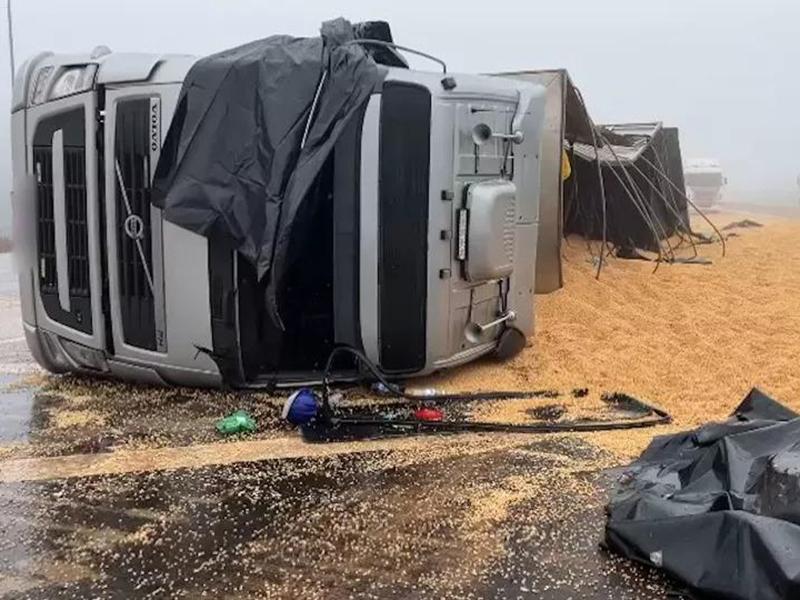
(156, 231)
(60, 219)
(368, 238)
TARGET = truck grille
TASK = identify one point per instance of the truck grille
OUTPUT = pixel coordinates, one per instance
(48, 276)
(405, 131)
(71, 124)
(132, 153)
(77, 226)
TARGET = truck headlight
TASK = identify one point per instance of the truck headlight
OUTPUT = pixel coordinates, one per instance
(69, 81)
(40, 84)
(73, 81)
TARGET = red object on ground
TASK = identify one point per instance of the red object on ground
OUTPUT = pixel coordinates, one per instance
(428, 414)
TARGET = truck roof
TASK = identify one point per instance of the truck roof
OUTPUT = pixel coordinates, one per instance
(702, 163)
(112, 68)
(131, 67)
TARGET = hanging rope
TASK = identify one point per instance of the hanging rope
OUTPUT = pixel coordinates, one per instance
(601, 182)
(687, 223)
(690, 203)
(641, 212)
(667, 202)
(652, 222)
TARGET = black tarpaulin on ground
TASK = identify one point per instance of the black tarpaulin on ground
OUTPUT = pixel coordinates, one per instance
(718, 508)
(232, 164)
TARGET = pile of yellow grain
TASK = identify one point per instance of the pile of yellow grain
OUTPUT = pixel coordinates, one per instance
(692, 339)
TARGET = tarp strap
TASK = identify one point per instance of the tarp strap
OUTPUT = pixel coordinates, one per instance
(313, 111)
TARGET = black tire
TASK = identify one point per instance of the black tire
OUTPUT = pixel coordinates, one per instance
(512, 341)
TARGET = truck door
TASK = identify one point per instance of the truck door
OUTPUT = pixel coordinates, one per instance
(62, 157)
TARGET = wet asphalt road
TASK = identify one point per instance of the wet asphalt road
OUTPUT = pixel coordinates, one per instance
(461, 517)
(353, 526)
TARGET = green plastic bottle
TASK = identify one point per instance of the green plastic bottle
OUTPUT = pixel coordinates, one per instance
(238, 422)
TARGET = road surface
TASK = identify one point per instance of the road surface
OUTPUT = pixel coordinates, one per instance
(116, 491)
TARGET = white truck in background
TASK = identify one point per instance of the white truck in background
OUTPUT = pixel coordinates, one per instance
(704, 181)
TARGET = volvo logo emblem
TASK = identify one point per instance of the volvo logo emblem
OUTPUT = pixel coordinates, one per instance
(134, 227)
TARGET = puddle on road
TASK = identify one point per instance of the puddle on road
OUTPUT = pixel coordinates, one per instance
(22, 411)
(79, 415)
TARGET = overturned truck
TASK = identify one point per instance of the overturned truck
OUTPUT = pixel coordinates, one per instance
(231, 220)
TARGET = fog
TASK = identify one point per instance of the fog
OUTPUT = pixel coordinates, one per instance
(723, 71)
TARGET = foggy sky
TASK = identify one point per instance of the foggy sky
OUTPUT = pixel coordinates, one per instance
(723, 71)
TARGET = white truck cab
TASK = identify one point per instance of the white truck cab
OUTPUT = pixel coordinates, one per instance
(108, 286)
(704, 181)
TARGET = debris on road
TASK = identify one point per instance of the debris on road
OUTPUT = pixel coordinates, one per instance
(414, 413)
(630, 253)
(743, 224)
(238, 422)
(718, 507)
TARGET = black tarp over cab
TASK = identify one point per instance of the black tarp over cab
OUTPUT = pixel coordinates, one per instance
(248, 162)
(252, 130)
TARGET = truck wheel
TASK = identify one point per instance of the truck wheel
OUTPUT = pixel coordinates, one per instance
(511, 342)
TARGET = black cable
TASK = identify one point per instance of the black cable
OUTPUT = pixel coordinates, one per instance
(656, 222)
(506, 152)
(504, 287)
(692, 204)
(600, 180)
(659, 417)
(686, 225)
(471, 301)
(663, 197)
(574, 206)
(603, 200)
(639, 202)
(636, 204)
(401, 393)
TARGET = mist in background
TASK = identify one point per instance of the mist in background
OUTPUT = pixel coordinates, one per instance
(723, 71)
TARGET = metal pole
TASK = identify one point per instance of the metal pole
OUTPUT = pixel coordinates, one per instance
(10, 40)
